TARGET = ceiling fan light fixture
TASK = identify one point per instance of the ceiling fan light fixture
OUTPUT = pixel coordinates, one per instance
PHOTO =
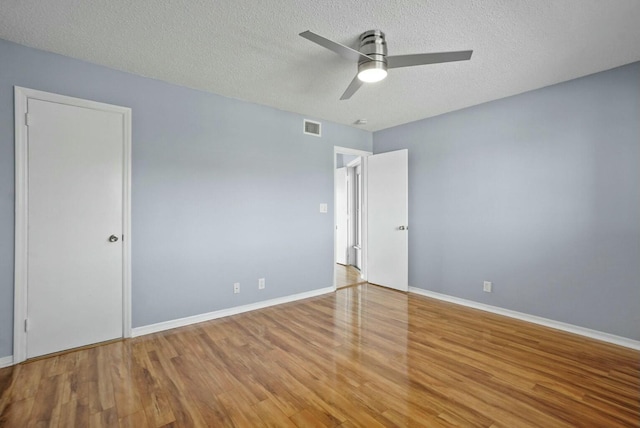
(373, 60)
(372, 71)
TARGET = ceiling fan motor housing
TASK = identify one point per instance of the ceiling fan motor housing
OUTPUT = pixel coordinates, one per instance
(373, 44)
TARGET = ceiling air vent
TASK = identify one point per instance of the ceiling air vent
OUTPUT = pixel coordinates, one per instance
(311, 127)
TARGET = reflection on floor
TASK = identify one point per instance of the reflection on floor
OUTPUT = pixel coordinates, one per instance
(347, 275)
(363, 356)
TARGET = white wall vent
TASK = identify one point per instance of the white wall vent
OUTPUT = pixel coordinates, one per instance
(312, 128)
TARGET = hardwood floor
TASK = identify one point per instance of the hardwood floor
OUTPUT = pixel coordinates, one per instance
(347, 275)
(363, 356)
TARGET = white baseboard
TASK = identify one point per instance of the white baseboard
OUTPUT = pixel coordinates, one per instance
(181, 322)
(6, 361)
(582, 331)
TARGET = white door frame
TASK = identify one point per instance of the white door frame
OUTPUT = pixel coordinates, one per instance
(347, 151)
(22, 209)
(341, 181)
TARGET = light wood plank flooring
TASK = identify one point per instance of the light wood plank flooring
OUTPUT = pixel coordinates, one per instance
(347, 275)
(363, 356)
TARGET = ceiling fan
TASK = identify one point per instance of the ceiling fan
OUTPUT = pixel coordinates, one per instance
(372, 58)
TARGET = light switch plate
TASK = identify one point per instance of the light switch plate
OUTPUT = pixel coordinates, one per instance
(323, 208)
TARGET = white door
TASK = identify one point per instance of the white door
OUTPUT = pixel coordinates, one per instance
(358, 215)
(342, 216)
(387, 193)
(75, 204)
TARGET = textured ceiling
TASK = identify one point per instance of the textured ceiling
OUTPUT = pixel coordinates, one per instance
(251, 50)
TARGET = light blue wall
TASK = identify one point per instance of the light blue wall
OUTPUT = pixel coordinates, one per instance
(539, 193)
(223, 191)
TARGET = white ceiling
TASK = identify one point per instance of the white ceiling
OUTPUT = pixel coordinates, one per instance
(250, 49)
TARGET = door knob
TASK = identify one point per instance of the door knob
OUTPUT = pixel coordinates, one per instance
(113, 238)
(402, 228)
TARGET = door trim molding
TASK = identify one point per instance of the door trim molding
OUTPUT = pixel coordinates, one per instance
(21, 95)
(364, 154)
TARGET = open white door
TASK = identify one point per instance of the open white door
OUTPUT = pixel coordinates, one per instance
(342, 216)
(388, 186)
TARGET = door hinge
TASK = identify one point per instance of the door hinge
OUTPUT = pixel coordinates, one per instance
(26, 324)
(27, 119)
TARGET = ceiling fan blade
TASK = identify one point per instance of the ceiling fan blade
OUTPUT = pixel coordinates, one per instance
(341, 50)
(397, 61)
(352, 88)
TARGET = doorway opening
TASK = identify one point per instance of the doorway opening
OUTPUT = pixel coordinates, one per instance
(349, 217)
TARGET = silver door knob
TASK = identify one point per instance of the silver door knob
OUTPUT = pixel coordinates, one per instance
(402, 228)
(113, 238)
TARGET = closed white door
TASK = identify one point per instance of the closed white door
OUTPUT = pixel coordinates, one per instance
(75, 226)
(387, 193)
(342, 216)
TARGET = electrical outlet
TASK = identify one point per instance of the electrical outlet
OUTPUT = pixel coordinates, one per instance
(261, 284)
(486, 287)
(236, 287)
